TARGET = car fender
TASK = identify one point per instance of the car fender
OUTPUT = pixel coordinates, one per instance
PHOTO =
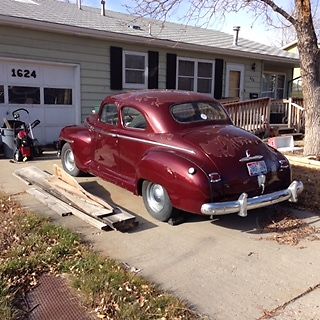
(187, 190)
(80, 140)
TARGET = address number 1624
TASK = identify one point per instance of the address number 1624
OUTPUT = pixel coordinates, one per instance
(23, 73)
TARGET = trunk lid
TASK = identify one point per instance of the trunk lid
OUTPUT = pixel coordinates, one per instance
(233, 150)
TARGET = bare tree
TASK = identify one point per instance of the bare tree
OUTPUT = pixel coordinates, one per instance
(297, 15)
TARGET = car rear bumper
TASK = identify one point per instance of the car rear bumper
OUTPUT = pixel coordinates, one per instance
(243, 204)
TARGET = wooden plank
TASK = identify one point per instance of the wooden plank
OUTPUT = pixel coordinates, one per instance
(74, 196)
(61, 208)
(62, 175)
(54, 203)
(6, 122)
(304, 161)
(42, 179)
(88, 206)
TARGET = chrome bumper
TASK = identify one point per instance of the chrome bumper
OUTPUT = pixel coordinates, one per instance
(243, 204)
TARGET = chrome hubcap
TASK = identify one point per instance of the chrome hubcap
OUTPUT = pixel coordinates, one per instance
(155, 197)
(69, 160)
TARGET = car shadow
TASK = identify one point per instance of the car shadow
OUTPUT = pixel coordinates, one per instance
(96, 189)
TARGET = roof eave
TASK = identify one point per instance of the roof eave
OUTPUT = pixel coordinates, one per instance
(100, 34)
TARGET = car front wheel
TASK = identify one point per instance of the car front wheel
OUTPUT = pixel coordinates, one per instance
(157, 201)
(68, 162)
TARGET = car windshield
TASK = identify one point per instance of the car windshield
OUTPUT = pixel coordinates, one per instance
(198, 112)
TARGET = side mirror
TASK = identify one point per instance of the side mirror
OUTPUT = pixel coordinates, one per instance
(95, 110)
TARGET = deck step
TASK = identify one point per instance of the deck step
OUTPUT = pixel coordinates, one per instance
(296, 135)
(286, 130)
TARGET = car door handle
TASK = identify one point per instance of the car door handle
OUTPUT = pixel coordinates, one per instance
(113, 135)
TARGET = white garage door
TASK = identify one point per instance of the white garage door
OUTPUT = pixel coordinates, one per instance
(50, 93)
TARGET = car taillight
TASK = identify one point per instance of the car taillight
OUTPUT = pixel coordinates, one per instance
(214, 177)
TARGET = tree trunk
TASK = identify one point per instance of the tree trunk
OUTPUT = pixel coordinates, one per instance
(310, 73)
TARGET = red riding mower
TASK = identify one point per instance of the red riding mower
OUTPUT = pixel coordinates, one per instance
(26, 146)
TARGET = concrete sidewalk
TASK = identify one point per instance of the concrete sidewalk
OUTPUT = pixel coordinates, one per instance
(224, 267)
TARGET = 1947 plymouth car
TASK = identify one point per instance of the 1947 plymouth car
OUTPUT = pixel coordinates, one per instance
(179, 150)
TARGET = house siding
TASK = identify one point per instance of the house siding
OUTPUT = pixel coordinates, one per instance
(90, 54)
(93, 56)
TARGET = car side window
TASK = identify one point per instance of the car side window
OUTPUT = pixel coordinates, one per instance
(109, 114)
(133, 118)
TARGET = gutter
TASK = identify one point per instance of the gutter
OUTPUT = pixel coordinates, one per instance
(132, 39)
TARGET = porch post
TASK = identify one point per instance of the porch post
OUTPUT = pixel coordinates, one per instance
(290, 113)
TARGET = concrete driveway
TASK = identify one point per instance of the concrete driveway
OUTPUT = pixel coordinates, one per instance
(226, 268)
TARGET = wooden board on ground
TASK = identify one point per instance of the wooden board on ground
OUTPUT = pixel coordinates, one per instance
(64, 209)
(69, 196)
(304, 162)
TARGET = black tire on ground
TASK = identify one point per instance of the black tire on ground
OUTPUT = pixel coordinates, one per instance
(68, 162)
(157, 201)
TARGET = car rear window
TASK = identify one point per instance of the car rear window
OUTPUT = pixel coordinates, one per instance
(198, 112)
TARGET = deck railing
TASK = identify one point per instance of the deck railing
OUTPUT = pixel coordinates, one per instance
(292, 111)
(251, 115)
(295, 115)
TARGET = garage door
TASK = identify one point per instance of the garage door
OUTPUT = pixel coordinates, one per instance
(50, 93)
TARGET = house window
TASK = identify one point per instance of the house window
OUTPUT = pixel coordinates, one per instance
(273, 85)
(24, 95)
(1, 94)
(135, 70)
(57, 96)
(195, 75)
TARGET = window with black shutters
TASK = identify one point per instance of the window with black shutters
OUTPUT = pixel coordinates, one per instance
(195, 75)
(135, 70)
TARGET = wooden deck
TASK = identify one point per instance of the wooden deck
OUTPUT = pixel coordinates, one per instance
(255, 115)
(251, 115)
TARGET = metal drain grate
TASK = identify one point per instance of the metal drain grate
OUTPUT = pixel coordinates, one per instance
(53, 300)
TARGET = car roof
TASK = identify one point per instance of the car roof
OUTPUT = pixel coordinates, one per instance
(159, 98)
(155, 104)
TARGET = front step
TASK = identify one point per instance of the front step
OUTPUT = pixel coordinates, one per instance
(286, 130)
(296, 135)
(283, 130)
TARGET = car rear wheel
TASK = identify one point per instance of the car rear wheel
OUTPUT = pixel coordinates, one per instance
(68, 162)
(157, 201)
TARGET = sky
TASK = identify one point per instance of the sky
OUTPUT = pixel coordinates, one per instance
(256, 30)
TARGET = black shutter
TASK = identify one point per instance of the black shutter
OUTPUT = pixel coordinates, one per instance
(218, 77)
(153, 69)
(171, 71)
(116, 68)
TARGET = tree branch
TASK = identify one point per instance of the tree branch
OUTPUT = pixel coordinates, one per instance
(279, 10)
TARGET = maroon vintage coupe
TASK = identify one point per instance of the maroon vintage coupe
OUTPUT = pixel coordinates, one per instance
(179, 150)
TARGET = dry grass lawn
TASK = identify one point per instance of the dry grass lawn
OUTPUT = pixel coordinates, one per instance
(310, 198)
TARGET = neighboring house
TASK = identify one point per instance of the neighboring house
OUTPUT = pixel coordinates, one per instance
(296, 78)
(60, 61)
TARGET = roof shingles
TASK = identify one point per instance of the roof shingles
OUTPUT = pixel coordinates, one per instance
(57, 12)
